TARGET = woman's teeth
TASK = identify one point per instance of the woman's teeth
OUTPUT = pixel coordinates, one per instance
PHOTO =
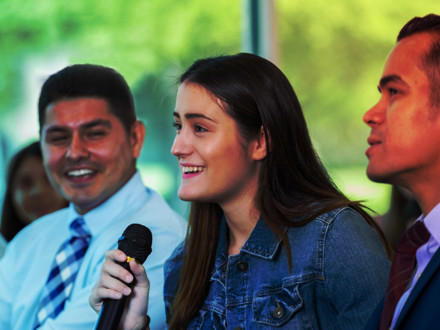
(192, 169)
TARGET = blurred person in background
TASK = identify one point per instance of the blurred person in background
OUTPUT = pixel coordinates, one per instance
(29, 194)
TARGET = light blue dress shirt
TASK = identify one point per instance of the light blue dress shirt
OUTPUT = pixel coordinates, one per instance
(2, 245)
(423, 255)
(25, 266)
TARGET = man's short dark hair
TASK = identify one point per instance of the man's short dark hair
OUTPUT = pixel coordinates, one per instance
(430, 61)
(88, 80)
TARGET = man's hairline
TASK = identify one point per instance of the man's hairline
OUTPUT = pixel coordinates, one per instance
(110, 109)
(422, 60)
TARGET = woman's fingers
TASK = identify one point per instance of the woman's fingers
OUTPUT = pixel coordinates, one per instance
(111, 282)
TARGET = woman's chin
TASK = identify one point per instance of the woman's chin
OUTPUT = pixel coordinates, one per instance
(191, 196)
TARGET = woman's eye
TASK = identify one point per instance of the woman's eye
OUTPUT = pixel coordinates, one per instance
(199, 129)
(177, 126)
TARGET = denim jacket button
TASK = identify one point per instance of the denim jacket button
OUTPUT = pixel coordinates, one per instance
(278, 312)
(238, 328)
(242, 266)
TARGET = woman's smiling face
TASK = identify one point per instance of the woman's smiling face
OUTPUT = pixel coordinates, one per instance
(217, 164)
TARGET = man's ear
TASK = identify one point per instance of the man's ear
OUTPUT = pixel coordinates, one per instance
(137, 136)
(259, 151)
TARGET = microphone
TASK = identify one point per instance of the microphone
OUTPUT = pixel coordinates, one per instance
(135, 242)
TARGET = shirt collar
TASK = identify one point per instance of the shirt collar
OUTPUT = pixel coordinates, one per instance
(130, 196)
(432, 222)
(262, 243)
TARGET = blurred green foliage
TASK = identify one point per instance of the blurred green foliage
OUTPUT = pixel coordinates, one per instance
(332, 52)
(136, 37)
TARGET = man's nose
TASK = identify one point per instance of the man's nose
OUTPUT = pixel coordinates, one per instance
(375, 115)
(77, 148)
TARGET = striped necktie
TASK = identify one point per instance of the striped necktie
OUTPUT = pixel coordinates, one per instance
(402, 269)
(63, 272)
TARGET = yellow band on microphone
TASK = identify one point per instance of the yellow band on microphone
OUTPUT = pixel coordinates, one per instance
(130, 258)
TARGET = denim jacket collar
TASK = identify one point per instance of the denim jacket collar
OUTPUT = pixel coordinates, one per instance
(263, 242)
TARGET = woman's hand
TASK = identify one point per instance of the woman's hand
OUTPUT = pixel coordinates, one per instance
(112, 285)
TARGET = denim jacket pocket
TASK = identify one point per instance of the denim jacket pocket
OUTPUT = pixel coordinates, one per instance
(276, 307)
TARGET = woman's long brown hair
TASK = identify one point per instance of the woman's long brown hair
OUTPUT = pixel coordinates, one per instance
(294, 186)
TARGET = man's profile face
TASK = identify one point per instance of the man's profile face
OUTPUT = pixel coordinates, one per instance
(405, 130)
(87, 153)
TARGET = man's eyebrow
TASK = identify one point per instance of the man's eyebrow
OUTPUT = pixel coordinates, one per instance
(88, 125)
(56, 129)
(192, 115)
(391, 78)
(97, 122)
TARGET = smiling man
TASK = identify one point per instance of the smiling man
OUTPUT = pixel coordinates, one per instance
(404, 150)
(90, 139)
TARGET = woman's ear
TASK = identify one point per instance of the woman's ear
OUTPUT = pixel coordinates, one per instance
(259, 151)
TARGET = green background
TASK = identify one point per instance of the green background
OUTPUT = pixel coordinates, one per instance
(332, 52)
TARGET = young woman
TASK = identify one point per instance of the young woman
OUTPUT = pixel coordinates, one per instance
(271, 241)
(29, 194)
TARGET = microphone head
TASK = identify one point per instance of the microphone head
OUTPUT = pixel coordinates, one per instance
(135, 242)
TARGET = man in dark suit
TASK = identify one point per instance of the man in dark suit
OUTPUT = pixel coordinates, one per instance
(405, 151)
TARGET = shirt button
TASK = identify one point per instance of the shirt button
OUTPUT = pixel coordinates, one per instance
(242, 266)
(278, 312)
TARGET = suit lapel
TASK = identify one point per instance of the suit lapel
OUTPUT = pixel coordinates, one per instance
(431, 268)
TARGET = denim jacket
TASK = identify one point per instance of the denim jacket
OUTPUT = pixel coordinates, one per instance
(339, 273)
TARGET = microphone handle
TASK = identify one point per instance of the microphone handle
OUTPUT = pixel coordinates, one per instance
(111, 312)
